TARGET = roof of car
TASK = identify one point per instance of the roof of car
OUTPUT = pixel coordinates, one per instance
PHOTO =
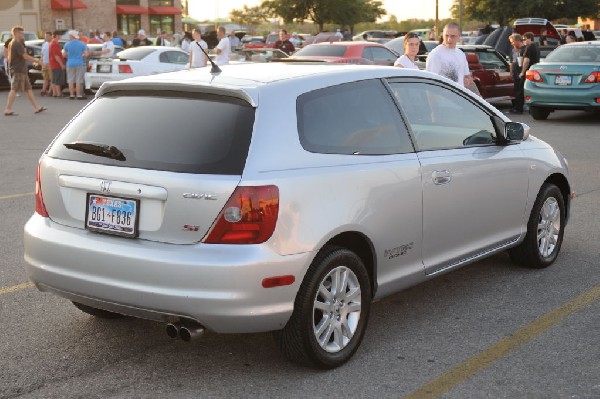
(245, 80)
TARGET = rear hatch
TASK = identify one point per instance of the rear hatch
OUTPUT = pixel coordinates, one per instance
(154, 164)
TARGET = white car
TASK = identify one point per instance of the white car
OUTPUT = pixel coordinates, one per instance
(137, 61)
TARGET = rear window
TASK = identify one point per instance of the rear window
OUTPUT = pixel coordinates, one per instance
(587, 53)
(136, 53)
(322, 51)
(170, 131)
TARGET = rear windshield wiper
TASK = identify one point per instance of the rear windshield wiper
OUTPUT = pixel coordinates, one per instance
(101, 150)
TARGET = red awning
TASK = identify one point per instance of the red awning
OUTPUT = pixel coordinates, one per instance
(132, 10)
(66, 4)
(164, 10)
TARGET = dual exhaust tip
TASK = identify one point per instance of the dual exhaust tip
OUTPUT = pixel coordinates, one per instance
(185, 331)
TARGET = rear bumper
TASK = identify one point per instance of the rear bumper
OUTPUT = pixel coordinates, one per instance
(95, 80)
(573, 99)
(218, 286)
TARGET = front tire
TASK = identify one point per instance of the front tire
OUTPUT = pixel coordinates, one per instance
(545, 230)
(330, 312)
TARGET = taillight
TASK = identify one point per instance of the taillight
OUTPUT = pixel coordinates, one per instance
(534, 76)
(125, 68)
(40, 208)
(593, 78)
(248, 217)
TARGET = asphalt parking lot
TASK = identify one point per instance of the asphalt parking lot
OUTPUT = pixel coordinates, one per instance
(489, 330)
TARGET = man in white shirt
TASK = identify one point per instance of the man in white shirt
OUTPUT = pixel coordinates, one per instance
(197, 57)
(108, 47)
(223, 49)
(448, 61)
(46, 64)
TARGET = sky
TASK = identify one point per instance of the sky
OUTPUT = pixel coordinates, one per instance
(420, 9)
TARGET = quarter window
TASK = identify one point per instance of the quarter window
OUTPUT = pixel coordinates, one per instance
(356, 118)
(441, 118)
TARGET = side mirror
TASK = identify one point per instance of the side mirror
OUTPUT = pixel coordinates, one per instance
(516, 131)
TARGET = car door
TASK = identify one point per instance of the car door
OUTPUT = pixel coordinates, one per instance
(474, 191)
(501, 81)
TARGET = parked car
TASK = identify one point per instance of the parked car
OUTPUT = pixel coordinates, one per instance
(29, 35)
(373, 34)
(569, 78)
(34, 49)
(490, 71)
(257, 55)
(346, 53)
(253, 41)
(286, 198)
(137, 61)
(397, 45)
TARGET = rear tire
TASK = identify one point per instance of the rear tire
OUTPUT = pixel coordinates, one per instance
(545, 230)
(330, 313)
(100, 313)
(539, 114)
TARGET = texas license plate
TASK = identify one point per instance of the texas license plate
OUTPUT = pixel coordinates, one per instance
(104, 68)
(562, 80)
(112, 215)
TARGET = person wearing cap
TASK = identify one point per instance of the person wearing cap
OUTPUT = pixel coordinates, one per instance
(141, 39)
(75, 52)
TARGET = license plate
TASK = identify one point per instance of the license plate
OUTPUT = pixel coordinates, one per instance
(112, 215)
(562, 80)
(104, 68)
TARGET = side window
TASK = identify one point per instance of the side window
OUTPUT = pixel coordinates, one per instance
(164, 57)
(440, 118)
(383, 56)
(357, 118)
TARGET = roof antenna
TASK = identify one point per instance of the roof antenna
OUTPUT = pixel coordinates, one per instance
(215, 68)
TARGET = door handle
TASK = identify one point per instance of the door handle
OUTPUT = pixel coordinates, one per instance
(441, 177)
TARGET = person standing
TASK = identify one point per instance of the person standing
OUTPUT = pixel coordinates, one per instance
(448, 61)
(108, 47)
(116, 39)
(93, 39)
(17, 59)
(58, 66)
(186, 42)
(411, 48)
(516, 67)
(197, 57)
(141, 39)
(75, 51)
(161, 40)
(223, 49)
(284, 43)
(234, 41)
(531, 55)
(46, 72)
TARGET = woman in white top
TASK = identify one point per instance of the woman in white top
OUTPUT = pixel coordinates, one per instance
(411, 48)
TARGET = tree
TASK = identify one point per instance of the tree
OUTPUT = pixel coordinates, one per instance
(250, 16)
(503, 11)
(339, 12)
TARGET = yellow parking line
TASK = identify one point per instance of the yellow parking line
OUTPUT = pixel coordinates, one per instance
(11, 196)
(8, 290)
(477, 363)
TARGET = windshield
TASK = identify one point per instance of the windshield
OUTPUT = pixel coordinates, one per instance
(584, 53)
(136, 53)
(322, 51)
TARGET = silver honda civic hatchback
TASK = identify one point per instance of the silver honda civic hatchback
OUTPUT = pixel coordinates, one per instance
(285, 198)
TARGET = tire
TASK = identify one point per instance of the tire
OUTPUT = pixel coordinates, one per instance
(545, 230)
(313, 337)
(100, 313)
(539, 114)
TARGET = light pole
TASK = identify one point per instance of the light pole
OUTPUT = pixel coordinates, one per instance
(72, 16)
